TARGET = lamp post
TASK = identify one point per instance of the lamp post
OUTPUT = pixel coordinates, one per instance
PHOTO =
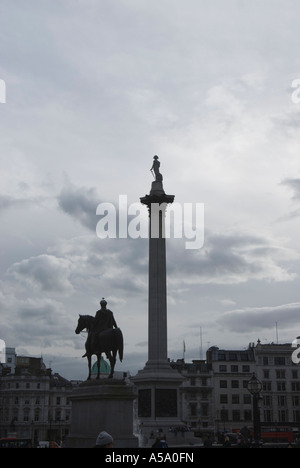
(254, 386)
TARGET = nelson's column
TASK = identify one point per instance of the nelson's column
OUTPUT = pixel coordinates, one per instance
(157, 384)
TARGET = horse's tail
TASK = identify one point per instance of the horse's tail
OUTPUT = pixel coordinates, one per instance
(119, 342)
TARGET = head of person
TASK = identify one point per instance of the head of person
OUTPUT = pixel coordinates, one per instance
(103, 303)
(104, 440)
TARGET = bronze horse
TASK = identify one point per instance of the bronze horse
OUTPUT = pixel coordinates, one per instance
(109, 341)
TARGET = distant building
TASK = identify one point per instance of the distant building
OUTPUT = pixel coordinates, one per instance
(280, 377)
(34, 402)
(196, 396)
(214, 396)
(9, 363)
(231, 369)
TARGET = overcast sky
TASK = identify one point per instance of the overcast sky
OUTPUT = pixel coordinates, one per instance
(96, 88)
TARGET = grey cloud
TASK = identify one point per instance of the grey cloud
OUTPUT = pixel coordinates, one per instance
(293, 184)
(33, 321)
(47, 272)
(7, 201)
(231, 259)
(81, 204)
(257, 318)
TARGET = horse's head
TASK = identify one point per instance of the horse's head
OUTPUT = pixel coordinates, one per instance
(79, 327)
(84, 321)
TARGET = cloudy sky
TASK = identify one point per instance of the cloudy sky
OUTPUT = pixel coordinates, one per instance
(96, 88)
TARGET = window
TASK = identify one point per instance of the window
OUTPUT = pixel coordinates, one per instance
(266, 373)
(37, 414)
(265, 360)
(236, 415)
(248, 415)
(247, 398)
(223, 398)
(281, 400)
(26, 415)
(267, 386)
(280, 374)
(296, 400)
(234, 368)
(267, 399)
(295, 386)
(222, 368)
(234, 384)
(193, 409)
(204, 410)
(279, 361)
(246, 368)
(282, 415)
(232, 356)
(223, 383)
(235, 398)
(296, 416)
(267, 415)
(281, 386)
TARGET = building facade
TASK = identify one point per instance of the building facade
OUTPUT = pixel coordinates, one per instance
(196, 396)
(280, 377)
(214, 396)
(232, 403)
(34, 402)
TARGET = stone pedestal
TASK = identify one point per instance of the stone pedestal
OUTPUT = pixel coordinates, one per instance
(158, 408)
(102, 405)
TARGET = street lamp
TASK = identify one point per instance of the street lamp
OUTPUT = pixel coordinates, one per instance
(254, 386)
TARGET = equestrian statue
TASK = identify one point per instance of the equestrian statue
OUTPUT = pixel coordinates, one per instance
(104, 336)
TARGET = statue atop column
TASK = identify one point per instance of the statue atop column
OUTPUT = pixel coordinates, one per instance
(155, 168)
(157, 193)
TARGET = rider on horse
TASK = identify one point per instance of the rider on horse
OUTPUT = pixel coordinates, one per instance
(104, 319)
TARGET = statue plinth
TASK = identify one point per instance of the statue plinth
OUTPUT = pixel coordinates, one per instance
(102, 405)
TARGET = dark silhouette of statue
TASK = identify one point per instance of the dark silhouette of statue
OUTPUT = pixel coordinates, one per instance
(155, 168)
(104, 336)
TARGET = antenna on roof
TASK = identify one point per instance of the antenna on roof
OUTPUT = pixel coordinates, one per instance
(201, 344)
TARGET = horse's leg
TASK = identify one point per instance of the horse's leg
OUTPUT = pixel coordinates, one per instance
(89, 357)
(112, 360)
(98, 365)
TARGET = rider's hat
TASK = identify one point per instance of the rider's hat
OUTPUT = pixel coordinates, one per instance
(103, 302)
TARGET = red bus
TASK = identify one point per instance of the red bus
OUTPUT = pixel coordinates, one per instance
(277, 434)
